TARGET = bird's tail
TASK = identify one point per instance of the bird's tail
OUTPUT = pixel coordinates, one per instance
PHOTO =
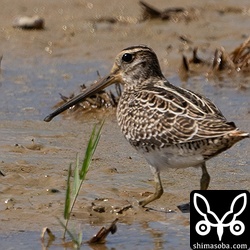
(240, 134)
(236, 136)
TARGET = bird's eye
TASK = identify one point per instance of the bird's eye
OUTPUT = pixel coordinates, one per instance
(127, 57)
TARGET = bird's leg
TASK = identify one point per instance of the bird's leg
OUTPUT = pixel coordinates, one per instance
(204, 183)
(205, 178)
(158, 189)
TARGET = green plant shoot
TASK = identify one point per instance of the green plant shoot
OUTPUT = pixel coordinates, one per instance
(79, 177)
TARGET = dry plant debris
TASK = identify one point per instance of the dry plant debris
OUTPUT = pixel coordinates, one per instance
(100, 237)
(241, 56)
(51, 236)
(101, 100)
(175, 14)
(236, 61)
(1, 173)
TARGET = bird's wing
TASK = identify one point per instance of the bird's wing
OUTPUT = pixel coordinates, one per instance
(177, 116)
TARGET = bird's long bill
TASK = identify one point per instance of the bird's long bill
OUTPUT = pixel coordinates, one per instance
(101, 84)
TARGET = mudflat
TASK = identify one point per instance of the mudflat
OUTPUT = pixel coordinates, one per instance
(80, 38)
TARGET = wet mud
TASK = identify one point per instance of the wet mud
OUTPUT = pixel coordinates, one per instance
(78, 40)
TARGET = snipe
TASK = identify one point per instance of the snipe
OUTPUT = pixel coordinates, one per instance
(170, 126)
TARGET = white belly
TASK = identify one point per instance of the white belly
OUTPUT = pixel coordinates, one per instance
(162, 159)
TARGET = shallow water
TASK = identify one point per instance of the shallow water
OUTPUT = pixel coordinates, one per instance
(29, 89)
(153, 235)
(29, 93)
(157, 232)
(35, 155)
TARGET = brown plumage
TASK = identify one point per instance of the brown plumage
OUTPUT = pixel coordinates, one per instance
(170, 126)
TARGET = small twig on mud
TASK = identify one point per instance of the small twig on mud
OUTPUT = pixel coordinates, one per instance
(100, 237)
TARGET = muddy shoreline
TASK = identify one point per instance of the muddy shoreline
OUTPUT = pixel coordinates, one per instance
(39, 64)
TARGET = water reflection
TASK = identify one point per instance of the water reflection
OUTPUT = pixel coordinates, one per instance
(148, 235)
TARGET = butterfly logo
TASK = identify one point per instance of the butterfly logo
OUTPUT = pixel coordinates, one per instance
(203, 227)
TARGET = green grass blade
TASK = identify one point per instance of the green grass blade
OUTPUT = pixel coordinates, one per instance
(92, 144)
(76, 182)
(67, 198)
(71, 235)
(88, 156)
(79, 177)
(80, 238)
